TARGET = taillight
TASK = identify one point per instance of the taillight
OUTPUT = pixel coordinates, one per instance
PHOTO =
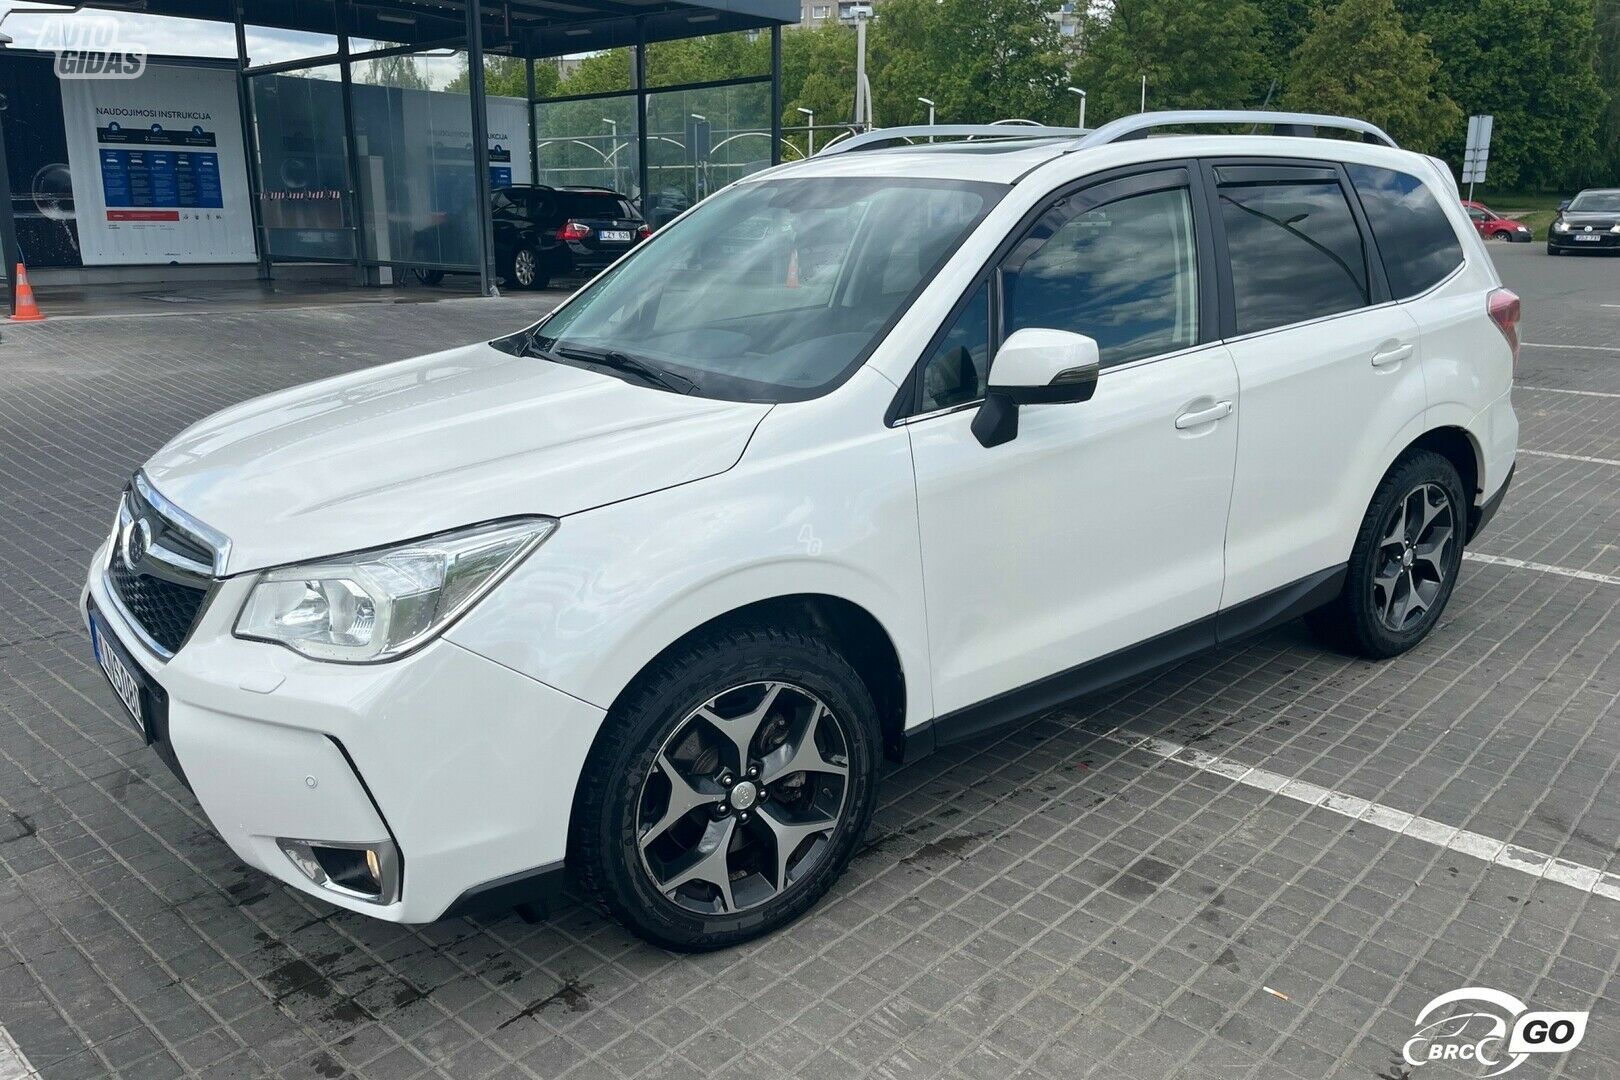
(573, 230)
(1504, 308)
(644, 232)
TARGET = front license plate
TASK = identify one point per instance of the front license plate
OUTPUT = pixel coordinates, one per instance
(616, 236)
(1594, 239)
(124, 682)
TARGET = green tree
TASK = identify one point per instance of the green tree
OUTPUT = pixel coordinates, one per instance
(505, 76)
(400, 70)
(979, 60)
(1196, 54)
(1606, 167)
(1286, 23)
(1532, 65)
(1359, 60)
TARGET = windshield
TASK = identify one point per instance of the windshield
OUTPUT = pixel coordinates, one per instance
(1596, 202)
(770, 291)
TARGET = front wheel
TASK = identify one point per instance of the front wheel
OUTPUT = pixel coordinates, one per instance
(729, 790)
(1404, 563)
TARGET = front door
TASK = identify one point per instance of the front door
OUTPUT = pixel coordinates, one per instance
(1101, 524)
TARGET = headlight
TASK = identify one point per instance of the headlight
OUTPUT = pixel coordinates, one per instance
(376, 605)
(1559, 226)
(1615, 228)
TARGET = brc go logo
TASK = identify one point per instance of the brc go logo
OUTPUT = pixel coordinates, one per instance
(1499, 1038)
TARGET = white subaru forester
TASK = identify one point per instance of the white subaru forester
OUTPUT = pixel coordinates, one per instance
(864, 455)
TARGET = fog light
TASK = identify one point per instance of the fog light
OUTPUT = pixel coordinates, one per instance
(368, 872)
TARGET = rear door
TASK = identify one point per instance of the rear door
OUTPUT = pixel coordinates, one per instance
(1328, 366)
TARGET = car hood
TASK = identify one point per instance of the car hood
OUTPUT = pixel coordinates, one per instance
(434, 443)
(1597, 221)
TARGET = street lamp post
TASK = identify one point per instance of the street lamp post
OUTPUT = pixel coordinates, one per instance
(1082, 93)
(1144, 94)
(811, 113)
(928, 102)
(613, 126)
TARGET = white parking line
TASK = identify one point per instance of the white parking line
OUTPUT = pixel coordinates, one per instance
(1595, 348)
(13, 1064)
(1556, 390)
(1545, 568)
(1570, 457)
(1525, 860)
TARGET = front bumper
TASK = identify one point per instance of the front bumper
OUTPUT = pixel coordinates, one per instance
(1605, 240)
(467, 766)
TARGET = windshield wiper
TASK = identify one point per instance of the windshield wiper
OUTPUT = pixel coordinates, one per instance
(618, 361)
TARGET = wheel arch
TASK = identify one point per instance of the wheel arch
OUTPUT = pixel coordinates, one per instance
(851, 628)
(1456, 445)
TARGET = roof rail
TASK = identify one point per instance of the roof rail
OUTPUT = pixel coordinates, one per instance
(882, 136)
(1127, 127)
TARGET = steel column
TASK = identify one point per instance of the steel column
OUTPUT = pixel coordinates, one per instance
(776, 95)
(351, 147)
(480, 138)
(638, 76)
(250, 143)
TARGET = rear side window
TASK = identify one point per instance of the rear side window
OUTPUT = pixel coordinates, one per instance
(1295, 250)
(1414, 235)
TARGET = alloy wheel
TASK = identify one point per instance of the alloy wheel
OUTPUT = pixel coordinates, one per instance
(1413, 557)
(523, 267)
(743, 799)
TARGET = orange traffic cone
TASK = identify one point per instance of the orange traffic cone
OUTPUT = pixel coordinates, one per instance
(27, 310)
(793, 270)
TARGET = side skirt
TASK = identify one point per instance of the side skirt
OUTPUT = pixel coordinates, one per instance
(1230, 624)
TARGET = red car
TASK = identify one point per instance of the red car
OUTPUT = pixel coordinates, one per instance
(1493, 226)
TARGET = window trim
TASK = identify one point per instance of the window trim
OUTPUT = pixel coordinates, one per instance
(1158, 176)
(1282, 169)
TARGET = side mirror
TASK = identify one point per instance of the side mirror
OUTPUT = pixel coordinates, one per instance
(1564, 205)
(1034, 367)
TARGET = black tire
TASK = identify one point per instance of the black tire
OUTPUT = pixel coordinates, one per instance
(614, 788)
(1553, 251)
(428, 277)
(1356, 621)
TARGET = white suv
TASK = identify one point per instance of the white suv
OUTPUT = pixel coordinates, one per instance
(649, 590)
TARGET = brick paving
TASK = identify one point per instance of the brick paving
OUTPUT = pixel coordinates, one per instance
(1047, 902)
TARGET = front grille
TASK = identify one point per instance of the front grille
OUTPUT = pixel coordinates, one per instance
(165, 610)
(165, 590)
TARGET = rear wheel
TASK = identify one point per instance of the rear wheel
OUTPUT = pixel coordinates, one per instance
(524, 269)
(729, 790)
(1404, 563)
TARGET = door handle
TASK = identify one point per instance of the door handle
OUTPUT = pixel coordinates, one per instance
(1218, 411)
(1392, 356)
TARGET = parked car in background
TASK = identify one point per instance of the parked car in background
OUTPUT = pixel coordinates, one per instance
(545, 232)
(865, 456)
(665, 206)
(1493, 226)
(1588, 222)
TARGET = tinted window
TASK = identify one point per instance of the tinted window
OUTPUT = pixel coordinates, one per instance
(1596, 202)
(592, 204)
(1296, 253)
(1123, 273)
(1414, 236)
(956, 370)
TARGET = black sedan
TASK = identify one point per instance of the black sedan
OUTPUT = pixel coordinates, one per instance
(1588, 222)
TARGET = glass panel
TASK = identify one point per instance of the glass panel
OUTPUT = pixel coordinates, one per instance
(1413, 233)
(1296, 252)
(589, 144)
(699, 141)
(956, 372)
(1123, 273)
(303, 169)
(420, 193)
(773, 291)
(706, 59)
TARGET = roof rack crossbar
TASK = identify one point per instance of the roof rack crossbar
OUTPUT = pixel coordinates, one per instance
(883, 136)
(1133, 126)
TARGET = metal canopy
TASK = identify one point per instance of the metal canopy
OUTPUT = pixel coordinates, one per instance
(536, 28)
